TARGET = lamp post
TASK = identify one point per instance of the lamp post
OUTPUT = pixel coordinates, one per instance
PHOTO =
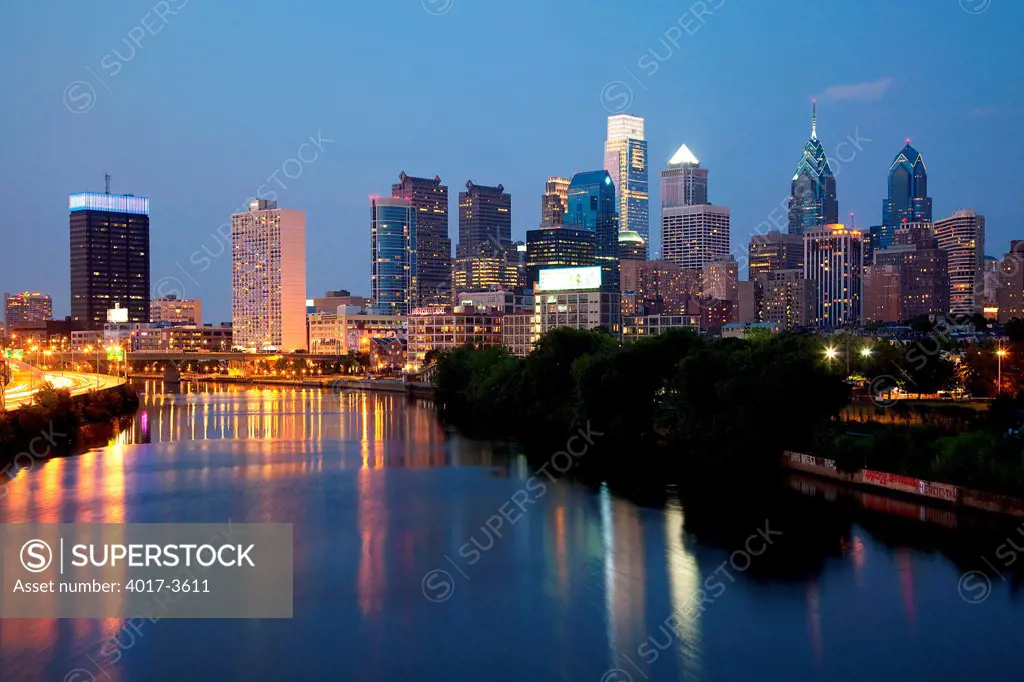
(999, 372)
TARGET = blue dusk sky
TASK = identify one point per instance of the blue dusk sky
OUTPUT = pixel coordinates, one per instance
(198, 103)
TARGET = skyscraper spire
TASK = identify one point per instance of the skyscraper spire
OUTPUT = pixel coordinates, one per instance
(814, 119)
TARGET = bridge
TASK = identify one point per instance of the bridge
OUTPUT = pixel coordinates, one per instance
(26, 381)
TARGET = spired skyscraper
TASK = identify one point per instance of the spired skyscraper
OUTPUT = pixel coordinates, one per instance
(109, 256)
(812, 199)
(429, 199)
(592, 206)
(625, 159)
(684, 182)
(908, 200)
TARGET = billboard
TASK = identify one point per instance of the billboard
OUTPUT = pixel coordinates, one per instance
(570, 279)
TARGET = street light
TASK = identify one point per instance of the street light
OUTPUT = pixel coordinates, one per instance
(865, 352)
(1000, 354)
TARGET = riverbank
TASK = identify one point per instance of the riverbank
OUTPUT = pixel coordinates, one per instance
(932, 491)
(414, 388)
(56, 422)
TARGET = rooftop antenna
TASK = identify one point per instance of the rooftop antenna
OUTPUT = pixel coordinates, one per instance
(106, 179)
(814, 119)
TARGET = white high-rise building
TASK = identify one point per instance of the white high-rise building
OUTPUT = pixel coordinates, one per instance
(268, 278)
(962, 237)
(693, 236)
(834, 260)
(625, 159)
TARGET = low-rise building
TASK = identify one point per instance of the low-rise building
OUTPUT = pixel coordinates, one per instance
(517, 333)
(573, 297)
(171, 309)
(439, 329)
(637, 327)
(350, 329)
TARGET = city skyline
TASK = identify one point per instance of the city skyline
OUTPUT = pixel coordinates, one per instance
(746, 135)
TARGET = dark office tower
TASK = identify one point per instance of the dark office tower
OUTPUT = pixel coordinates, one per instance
(429, 199)
(812, 200)
(485, 248)
(908, 200)
(684, 182)
(772, 252)
(592, 206)
(109, 257)
(552, 202)
(557, 246)
(485, 220)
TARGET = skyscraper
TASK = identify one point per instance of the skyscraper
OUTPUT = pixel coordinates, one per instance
(774, 251)
(693, 236)
(268, 278)
(592, 206)
(558, 246)
(625, 159)
(631, 246)
(109, 257)
(393, 255)
(683, 182)
(834, 259)
(485, 235)
(552, 202)
(962, 237)
(812, 200)
(429, 199)
(908, 200)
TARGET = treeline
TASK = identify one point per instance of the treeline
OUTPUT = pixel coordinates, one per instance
(989, 456)
(673, 401)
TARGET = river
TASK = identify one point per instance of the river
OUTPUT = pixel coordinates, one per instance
(422, 555)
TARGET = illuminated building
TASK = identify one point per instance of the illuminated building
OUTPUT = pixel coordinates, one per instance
(517, 332)
(171, 309)
(350, 329)
(640, 326)
(684, 182)
(575, 298)
(920, 269)
(506, 301)
(387, 354)
(27, 307)
(558, 246)
(774, 251)
(625, 160)
(109, 256)
(834, 260)
(658, 286)
(192, 338)
(908, 200)
(485, 250)
(553, 201)
(693, 236)
(992, 268)
(631, 247)
(962, 237)
(787, 297)
(429, 199)
(442, 329)
(268, 278)
(592, 207)
(719, 279)
(393, 256)
(1010, 292)
(812, 200)
(714, 312)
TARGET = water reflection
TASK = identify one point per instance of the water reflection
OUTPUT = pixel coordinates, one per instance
(379, 494)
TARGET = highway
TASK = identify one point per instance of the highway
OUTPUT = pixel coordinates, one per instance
(27, 380)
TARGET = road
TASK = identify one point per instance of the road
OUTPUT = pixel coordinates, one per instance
(25, 383)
